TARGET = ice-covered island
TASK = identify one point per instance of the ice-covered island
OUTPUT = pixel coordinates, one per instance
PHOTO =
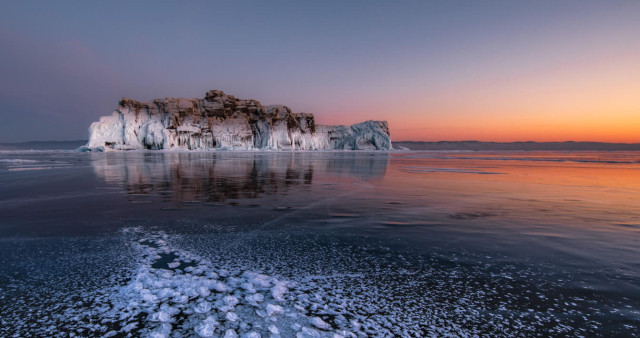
(221, 121)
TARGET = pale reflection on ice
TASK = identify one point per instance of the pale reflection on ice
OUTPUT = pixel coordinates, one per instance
(228, 175)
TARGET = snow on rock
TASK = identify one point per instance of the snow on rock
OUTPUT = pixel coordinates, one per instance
(220, 121)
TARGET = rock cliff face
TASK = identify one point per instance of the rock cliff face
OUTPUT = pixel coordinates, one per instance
(220, 121)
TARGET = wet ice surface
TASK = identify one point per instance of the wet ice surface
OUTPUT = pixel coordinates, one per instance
(314, 245)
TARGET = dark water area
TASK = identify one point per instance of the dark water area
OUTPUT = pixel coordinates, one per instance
(315, 243)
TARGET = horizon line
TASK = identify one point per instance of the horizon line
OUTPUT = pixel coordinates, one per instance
(401, 141)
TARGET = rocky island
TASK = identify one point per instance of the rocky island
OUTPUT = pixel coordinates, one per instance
(221, 121)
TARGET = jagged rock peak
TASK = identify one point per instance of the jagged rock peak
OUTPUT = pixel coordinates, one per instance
(223, 121)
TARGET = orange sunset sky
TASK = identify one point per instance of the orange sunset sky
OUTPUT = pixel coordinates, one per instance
(478, 70)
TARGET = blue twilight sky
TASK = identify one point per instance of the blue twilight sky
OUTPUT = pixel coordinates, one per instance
(435, 69)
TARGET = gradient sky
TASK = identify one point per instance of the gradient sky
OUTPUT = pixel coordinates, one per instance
(436, 70)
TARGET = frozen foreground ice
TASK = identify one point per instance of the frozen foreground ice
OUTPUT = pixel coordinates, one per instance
(171, 292)
(167, 291)
(189, 244)
(176, 293)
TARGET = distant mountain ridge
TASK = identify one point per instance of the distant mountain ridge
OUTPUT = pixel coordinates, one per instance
(526, 145)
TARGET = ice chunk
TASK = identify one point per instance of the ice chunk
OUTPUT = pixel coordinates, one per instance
(254, 299)
(220, 286)
(129, 327)
(180, 299)
(207, 327)
(260, 280)
(203, 291)
(232, 316)
(230, 334)
(148, 296)
(231, 301)
(319, 323)
(249, 287)
(307, 332)
(279, 290)
(274, 310)
(161, 316)
(165, 293)
(202, 307)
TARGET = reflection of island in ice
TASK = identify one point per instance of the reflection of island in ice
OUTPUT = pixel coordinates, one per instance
(215, 177)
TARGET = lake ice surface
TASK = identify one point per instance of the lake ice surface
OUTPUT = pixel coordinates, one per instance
(319, 244)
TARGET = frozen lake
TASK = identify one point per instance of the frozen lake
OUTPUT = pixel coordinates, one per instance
(319, 243)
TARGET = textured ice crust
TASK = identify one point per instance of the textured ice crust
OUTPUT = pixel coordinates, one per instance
(221, 121)
(146, 284)
(176, 293)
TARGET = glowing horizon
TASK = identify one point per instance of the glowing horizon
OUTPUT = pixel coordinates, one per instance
(490, 71)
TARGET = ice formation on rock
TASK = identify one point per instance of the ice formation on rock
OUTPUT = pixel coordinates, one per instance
(220, 121)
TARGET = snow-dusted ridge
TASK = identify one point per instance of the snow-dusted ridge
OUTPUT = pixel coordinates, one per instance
(220, 121)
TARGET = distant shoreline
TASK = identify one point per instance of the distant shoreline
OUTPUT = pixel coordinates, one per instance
(43, 145)
(410, 145)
